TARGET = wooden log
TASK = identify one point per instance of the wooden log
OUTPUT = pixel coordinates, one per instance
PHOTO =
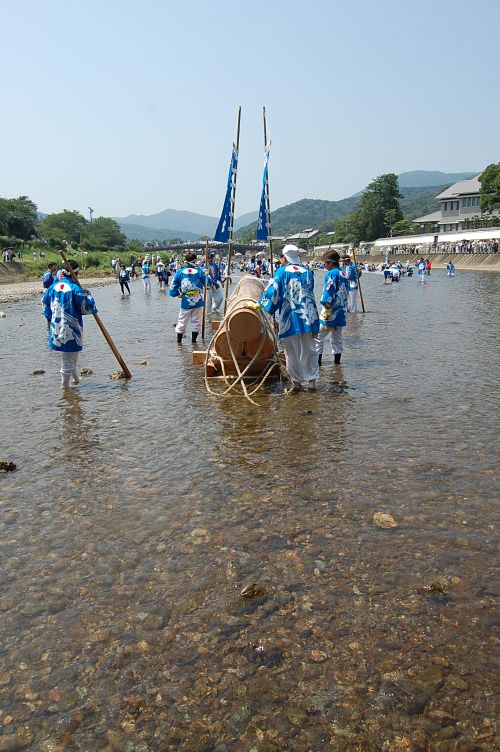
(267, 351)
(243, 323)
(221, 345)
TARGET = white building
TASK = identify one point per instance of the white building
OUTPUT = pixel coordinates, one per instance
(458, 204)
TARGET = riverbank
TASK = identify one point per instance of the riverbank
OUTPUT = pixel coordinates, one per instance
(11, 292)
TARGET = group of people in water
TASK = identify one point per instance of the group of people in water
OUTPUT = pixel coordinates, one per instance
(303, 329)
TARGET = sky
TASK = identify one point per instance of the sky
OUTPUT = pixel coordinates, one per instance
(131, 107)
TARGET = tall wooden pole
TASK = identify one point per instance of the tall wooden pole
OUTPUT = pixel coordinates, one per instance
(101, 326)
(268, 206)
(205, 292)
(233, 195)
(359, 281)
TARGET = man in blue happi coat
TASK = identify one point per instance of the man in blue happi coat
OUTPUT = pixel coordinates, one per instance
(291, 294)
(65, 303)
(188, 284)
(333, 314)
(49, 276)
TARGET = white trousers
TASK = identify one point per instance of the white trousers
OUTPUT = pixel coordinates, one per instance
(352, 301)
(147, 284)
(301, 357)
(68, 367)
(187, 315)
(336, 333)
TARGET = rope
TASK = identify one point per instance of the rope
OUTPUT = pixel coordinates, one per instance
(239, 381)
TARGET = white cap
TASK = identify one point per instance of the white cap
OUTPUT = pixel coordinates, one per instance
(291, 253)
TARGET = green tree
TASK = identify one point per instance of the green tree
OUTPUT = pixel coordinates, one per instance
(18, 217)
(379, 207)
(104, 234)
(490, 188)
(134, 247)
(403, 227)
(67, 225)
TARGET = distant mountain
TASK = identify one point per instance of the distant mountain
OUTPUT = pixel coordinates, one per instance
(180, 221)
(425, 178)
(245, 219)
(148, 234)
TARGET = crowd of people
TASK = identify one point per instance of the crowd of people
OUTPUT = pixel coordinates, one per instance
(303, 329)
(458, 246)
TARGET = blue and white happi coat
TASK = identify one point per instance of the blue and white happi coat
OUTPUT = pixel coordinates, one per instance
(215, 274)
(64, 305)
(350, 275)
(291, 293)
(335, 294)
(188, 284)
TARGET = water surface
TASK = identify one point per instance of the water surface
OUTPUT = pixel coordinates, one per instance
(140, 510)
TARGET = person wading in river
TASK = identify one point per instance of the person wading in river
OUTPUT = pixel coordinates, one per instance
(64, 305)
(333, 314)
(188, 284)
(291, 293)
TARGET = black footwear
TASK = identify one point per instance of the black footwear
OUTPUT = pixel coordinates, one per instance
(336, 358)
(179, 339)
(194, 336)
(320, 358)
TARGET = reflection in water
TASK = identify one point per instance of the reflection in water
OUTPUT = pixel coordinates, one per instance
(141, 510)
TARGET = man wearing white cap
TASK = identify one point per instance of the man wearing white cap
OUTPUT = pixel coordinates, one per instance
(291, 293)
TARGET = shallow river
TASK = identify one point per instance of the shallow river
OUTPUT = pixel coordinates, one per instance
(140, 510)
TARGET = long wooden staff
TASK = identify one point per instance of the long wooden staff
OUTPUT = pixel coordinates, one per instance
(359, 281)
(205, 293)
(101, 326)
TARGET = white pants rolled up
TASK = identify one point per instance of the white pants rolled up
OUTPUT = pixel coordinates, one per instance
(68, 367)
(301, 357)
(337, 339)
(193, 316)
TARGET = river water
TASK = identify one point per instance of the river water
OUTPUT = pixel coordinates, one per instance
(141, 509)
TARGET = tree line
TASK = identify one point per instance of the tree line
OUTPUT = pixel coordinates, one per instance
(19, 221)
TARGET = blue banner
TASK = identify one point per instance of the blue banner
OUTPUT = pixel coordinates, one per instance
(263, 219)
(226, 218)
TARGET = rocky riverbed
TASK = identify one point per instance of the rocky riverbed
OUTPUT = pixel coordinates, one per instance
(318, 573)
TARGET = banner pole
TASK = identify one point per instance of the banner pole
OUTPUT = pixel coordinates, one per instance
(233, 196)
(205, 293)
(268, 206)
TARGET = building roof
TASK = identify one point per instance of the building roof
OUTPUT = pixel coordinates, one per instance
(462, 188)
(434, 217)
(309, 233)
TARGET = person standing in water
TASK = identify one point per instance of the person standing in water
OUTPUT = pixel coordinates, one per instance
(334, 301)
(65, 303)
(124, 279)
(188, 284)
(291, 294)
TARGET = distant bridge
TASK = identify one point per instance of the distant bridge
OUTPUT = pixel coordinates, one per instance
(199, 246)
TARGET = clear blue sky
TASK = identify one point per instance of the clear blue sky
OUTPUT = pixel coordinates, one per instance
(130, 107)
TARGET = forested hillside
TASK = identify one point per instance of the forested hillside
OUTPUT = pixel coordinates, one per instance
(321, 215)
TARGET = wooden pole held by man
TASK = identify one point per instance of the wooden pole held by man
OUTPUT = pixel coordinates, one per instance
(101, 326)
(205, 293)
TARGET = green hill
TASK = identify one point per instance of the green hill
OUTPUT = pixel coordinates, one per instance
(321, 214)
(150, 234)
